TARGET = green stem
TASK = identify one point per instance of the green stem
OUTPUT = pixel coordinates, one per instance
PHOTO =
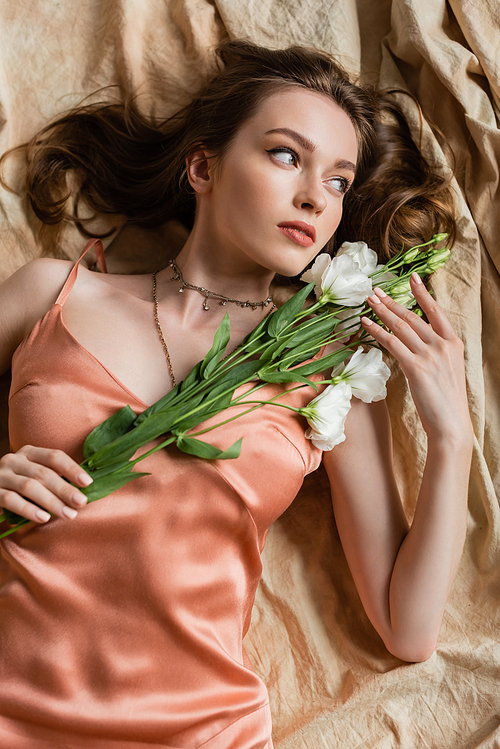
(260, 404)
(152, 450)
(14, 528)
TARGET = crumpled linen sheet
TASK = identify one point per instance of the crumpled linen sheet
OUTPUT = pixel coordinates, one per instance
(331, 681)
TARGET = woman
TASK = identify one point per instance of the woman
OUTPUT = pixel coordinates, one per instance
(124, 627)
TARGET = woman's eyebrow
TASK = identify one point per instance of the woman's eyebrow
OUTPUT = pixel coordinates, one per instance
(345, 164)
(308, 145)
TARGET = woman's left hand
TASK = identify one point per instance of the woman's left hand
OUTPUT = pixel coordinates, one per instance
(431, 356)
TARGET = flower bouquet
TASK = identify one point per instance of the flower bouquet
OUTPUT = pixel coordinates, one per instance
(281, 349)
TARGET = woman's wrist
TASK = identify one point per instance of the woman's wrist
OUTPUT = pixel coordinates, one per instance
(457, 441)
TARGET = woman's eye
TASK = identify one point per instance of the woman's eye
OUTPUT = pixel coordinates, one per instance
(341, 184)
(287, 156)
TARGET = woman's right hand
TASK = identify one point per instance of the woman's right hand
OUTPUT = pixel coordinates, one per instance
(38, 474)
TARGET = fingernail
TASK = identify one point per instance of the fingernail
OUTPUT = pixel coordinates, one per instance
(416, 277)
(85, 479)
(366, 321)
(373, 300)
(79, 499)
(69, 513)
(42, 516)
(379, 292)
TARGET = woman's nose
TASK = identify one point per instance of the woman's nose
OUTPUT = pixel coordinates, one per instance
(311, 195)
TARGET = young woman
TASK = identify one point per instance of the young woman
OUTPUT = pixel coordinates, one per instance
(123, 627)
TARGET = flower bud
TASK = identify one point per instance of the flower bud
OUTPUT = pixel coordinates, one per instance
(402, 294)
(437, 260)
(401, 288)
(410, 255)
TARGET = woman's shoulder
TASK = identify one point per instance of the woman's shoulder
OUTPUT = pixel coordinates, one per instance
(25, 297)
(37, 284)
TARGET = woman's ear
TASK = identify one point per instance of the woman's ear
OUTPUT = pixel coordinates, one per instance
(199, 169)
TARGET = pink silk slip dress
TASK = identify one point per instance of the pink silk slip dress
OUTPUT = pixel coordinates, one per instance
(123, 628)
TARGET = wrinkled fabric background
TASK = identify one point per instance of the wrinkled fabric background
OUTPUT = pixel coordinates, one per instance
(331, 681)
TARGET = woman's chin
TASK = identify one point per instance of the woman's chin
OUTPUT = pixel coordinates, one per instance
(290, 268)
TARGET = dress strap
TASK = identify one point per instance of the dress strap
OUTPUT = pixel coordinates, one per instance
(70, 281)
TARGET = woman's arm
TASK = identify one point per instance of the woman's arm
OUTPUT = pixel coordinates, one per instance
(404, 575)
(35, 473)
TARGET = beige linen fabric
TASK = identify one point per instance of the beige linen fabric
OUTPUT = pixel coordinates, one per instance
(331, 681)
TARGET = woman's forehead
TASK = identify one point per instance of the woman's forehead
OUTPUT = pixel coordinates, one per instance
(316, 117)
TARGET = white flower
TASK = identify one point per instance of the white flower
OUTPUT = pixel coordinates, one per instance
(351, 320)
(367, 375)
(326, 415)
(338, 280)
(314, 273)
(365, 259)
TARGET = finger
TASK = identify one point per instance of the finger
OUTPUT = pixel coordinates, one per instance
(405, 324)
(435, 314)
(390, 342)
(12, 501)
(56, 499)
(46, 486)
(59, 462)
(35, 481)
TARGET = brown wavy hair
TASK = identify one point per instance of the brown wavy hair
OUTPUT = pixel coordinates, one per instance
(130, 164)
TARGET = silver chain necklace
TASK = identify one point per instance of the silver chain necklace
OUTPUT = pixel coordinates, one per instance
(212, 294)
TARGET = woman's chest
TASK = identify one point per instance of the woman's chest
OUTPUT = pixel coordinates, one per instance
(143, 349)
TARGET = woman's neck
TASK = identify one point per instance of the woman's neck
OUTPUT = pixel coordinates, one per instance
(207, 264)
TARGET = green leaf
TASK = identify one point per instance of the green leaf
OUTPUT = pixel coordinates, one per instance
(114, 467)
(239, 374)
(299, 355)
(221, 339)
(308, 330)
(24, 521)
(282, 317)
(200, 449)
(257, 337)
(326, 362)
(115, 426)
(187, 405)
(102, 487)
(287, 376)
(161, 404)
(200, 416)
(124, 447)
(192, 377)
(12, 517)
(221, 402)
(220, 389)
(273, 350)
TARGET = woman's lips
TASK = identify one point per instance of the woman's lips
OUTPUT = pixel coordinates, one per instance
(303, 234)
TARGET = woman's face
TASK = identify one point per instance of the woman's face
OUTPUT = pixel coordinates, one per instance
(277, 192)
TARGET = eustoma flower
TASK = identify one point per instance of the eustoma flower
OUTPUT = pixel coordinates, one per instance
(365, 258)
(326, 416)
(284, 348)
(339, 280)
(366, 374)
(365, 377)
